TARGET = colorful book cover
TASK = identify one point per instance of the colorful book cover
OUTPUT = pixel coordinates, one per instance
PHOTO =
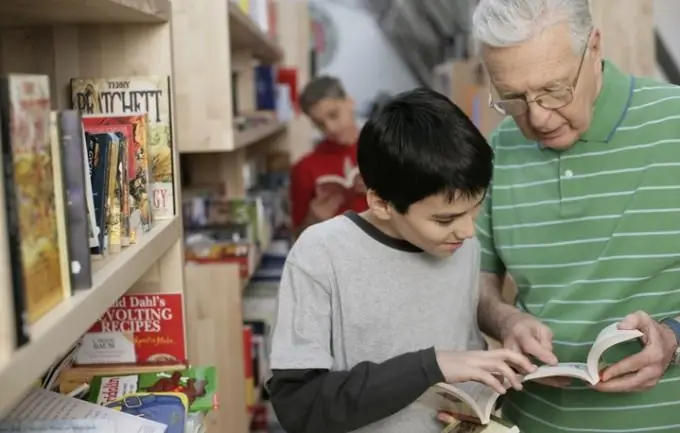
(29, 193)
(131, 95)
(134, 129)
(98, 161)
(199, 384)
(138, 329)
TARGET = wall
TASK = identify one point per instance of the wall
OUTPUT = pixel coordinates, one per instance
(666, 18)
(364, 60)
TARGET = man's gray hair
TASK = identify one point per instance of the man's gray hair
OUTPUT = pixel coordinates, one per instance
(503, 23)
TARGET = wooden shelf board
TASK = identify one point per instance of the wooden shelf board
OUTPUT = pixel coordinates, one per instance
(35, 12)
(253, 135)
(246, 36)
(242, 139)
(64, 325)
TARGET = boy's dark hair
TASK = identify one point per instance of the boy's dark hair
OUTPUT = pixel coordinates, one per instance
(421, 144)
(319, 88)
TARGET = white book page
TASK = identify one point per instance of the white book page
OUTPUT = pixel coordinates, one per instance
(41, 404)
(58, 426)
(608, 337)
(578, 370)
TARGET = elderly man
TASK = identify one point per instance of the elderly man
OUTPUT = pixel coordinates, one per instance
(584, 214)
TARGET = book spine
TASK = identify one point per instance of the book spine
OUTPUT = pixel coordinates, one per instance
(12, 218)
(74, 178)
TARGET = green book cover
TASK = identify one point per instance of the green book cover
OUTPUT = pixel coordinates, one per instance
(199, 384)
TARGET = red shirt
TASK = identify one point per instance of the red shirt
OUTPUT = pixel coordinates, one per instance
(326, 158)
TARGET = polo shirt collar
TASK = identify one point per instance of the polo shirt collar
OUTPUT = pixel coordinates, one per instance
(611, 104)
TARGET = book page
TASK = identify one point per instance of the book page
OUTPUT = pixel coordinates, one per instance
(58, 426)
(608, 337)
(578, 370)
(41, 404)
(469, 401)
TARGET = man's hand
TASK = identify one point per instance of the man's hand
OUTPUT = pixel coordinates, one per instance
(644, 369)
(524, 333)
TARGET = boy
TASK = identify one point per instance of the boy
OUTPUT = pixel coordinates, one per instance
(331, 110)
(376, 307)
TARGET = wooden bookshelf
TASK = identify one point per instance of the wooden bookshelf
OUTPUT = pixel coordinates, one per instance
(246, 36)
(213, 152)
(49, 12)
(86, 38)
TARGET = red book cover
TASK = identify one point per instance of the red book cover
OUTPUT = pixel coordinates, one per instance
(139, 329)
(248, 366)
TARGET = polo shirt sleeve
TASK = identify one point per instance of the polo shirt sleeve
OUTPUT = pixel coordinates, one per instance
(301, 192)
(302, 332)
(490, 260)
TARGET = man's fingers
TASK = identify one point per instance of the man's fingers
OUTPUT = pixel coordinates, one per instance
(626, 366)
(533, 347)
(630, 382)
(637, 320)
(516, 359)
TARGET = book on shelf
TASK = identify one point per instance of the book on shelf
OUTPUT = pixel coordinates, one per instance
(475, 402)
(32, 227)
(72, 162)
(131, 95)
(138, 329)
(136, 208)
(198, 383)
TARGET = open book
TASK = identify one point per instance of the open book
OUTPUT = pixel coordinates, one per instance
(495, 425)
(334, 183)
(473, 401)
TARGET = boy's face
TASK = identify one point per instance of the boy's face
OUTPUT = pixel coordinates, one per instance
(335, 119)
(436, 225)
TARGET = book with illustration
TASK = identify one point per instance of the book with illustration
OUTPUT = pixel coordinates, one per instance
(197, 383)
(134, 95)
(31, 221)
(475, 402)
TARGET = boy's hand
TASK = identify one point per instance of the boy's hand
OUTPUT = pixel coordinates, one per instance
(490, 367)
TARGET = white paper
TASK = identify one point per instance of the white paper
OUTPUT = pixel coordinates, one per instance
(58, 426)
(41, 404)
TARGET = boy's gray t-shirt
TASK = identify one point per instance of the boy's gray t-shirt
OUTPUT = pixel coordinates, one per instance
(351, 294)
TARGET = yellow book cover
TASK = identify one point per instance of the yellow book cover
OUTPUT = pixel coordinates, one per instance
(34, 234)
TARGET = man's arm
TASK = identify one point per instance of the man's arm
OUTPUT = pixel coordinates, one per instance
(318, 400)
(492, 310)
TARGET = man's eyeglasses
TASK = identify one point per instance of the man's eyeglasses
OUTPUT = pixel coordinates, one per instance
(551, 100)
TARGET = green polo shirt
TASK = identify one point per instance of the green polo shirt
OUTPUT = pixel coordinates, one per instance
(591, 234)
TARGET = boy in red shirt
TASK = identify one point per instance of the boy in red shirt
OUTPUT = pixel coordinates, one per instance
(331, 110)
